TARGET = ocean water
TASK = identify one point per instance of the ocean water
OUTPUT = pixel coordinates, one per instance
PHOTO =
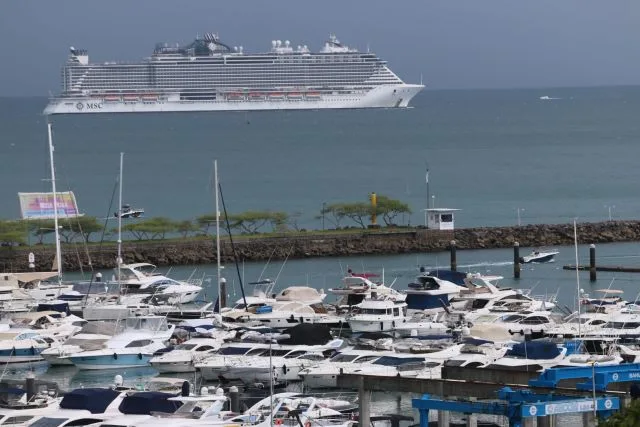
(489, 152)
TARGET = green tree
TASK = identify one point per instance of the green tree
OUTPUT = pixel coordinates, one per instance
(333, 213)
(357, 212)
(152, 228)
(626, 417)
(82, 226)
(252, 221)
(204, 222)
(12, 233)
(390, 208)
(40, 228)
(185, 227)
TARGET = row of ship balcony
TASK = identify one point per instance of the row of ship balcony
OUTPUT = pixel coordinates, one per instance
(229, 96)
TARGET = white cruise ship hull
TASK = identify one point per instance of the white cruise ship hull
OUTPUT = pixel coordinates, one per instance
(387, 96)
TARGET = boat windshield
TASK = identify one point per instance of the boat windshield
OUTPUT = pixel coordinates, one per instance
(186, 346)
(49, 422)
(513, 318)
(344, 357)
(233, 350)
(373, 311)
(151, 323)
(623, 325)
(397, 361)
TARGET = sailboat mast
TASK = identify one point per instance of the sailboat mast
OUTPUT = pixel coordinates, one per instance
(119, 258)
(219, 268)
(55, 206)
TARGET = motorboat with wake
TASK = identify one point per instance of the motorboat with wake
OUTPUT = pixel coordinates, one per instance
(539, 256)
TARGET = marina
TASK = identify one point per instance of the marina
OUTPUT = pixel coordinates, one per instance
(296, 235)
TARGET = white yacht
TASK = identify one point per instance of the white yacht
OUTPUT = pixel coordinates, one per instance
(377, 315)
(325, 373)
(430, 293)
(357, 287)
(532, 356)
(135, 346)
(21, 345)
(183, 357)
(139, 282)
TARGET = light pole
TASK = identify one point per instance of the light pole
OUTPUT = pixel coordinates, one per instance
(518, 210)
(433, 201)
(610, 208)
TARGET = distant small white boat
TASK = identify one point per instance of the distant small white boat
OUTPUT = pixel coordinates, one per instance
(128, 212)
(547, 98)
(539, 256)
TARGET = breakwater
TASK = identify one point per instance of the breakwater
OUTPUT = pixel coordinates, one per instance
(317, 244)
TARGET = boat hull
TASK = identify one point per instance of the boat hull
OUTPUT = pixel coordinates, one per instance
(110, 362)
(176, 366)
(383, 325)
(389, 96)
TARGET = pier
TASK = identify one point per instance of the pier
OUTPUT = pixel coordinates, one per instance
(555, 391)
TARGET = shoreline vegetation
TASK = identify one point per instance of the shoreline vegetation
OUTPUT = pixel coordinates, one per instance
(160, 242)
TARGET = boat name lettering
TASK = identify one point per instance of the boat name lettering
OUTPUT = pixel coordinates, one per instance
(634, 375)
(94, 105)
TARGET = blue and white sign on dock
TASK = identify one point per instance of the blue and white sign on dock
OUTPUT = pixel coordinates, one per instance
(542, 409)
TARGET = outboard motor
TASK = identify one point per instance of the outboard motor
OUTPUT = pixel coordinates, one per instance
(186, 389)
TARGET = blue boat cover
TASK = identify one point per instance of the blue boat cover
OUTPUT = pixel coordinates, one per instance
(456, 277)
(534, 350)
(60, 307)
(95, 400)
(426, 301)
(145, 402)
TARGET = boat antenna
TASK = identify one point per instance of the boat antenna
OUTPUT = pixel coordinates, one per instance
(233, 247)
(218, 268)
(119, 257)
(575, 243)
(55, 207)
(104, 230)
(267, 264)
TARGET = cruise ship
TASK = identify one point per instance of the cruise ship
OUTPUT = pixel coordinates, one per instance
(209, 75)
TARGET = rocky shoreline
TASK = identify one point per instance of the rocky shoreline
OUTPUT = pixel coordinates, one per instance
(382, 242)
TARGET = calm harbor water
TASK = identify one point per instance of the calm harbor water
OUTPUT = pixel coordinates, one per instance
(490, 153)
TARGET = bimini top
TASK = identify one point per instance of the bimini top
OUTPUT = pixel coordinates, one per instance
(94, 400)
(534, 350)
(145, 402)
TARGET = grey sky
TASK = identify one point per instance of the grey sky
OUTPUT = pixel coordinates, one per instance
(452, 43)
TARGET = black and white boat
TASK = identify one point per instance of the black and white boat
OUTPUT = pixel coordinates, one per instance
(128, 212)
(538, 256)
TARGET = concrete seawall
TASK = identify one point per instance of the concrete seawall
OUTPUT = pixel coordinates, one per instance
(202, 251)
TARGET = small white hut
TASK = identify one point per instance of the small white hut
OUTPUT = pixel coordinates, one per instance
(440, 218)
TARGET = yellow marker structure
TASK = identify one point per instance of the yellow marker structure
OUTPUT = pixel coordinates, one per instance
(374, 204)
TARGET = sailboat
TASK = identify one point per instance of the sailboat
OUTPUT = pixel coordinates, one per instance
(51, 290)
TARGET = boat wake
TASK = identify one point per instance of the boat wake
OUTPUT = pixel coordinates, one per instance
(547, 98)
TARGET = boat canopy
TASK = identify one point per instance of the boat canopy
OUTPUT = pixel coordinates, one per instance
(59, 306)
(534, 350)
(95, 400)
(145, 402)
(307, 334)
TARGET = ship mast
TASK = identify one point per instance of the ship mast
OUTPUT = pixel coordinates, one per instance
(55, 206)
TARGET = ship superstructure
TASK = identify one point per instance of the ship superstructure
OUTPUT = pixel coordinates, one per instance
(208, 75)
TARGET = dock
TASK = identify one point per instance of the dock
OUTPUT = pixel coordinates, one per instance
(476, 390)
(611, 268)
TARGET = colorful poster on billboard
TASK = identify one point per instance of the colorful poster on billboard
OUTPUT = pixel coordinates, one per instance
(40, 205)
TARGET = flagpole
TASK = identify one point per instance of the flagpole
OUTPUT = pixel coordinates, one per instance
(428, 197)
